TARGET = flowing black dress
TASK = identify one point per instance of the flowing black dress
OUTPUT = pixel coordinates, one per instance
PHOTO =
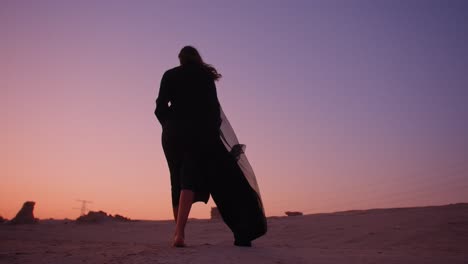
(203, 153)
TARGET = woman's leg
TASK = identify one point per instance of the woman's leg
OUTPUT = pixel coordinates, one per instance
(174, 160)
(175, 210)
(185, 204)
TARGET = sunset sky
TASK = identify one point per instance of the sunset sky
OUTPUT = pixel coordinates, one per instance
(342, 104)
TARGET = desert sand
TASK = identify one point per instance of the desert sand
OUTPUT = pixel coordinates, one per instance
(437, 234)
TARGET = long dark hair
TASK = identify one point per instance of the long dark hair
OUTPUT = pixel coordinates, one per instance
(190, 56)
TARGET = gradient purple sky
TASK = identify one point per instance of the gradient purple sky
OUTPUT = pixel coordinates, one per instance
(342, 104)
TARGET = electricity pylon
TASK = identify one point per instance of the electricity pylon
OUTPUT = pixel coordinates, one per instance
(83, 208)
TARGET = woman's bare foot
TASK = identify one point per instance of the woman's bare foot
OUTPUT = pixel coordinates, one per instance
(178, 241)
(185, 204)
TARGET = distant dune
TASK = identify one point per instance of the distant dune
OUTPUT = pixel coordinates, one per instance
(436, 234)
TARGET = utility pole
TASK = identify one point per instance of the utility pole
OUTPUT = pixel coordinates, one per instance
(83, 208)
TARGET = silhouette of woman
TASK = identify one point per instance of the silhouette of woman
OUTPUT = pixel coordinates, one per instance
(202, 159)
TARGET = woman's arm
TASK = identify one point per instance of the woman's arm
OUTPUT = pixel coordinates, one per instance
(162, 110)
(214, 104)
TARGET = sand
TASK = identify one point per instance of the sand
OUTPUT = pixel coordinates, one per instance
(408, 235)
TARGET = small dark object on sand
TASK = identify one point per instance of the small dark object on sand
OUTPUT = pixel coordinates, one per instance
(293, 213)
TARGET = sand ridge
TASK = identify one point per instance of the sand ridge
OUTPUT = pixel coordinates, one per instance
(436, 234)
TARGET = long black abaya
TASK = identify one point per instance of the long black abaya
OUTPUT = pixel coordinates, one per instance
(203, 152)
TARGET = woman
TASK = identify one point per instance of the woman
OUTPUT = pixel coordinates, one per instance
(199, 163)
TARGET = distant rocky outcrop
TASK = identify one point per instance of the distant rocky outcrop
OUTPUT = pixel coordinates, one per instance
(25, 214)
(101, 217)
(121, 218)
(293, 213)
(215, 213)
